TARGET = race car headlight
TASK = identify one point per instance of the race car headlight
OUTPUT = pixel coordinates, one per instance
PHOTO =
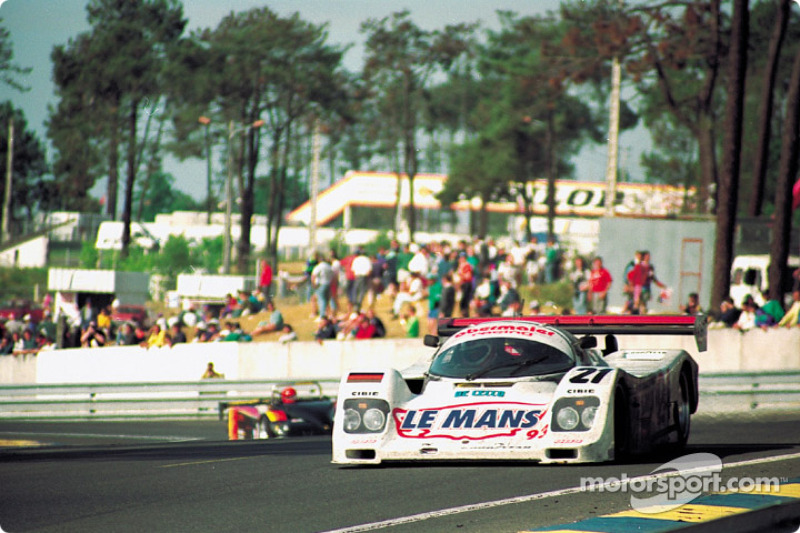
(374, 419)
(352, 420)
(567, 418)
(366, 415)
(587, 416)
(575, 413)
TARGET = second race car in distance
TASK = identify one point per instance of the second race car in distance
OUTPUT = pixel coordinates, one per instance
(296, 408)
(524, 388)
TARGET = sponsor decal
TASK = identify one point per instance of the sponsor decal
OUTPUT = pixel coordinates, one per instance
(364, 377)
(363, 440)
(472, 421)
(568, 441)
(522, 329)
(587, 375)
(361, 393)
(492, 393)
(580, 391)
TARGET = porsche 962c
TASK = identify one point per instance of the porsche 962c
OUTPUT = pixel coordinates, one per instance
(530, 388)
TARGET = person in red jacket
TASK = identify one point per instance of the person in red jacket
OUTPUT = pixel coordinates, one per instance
(265, 281)
(599, 284)
(465, 275)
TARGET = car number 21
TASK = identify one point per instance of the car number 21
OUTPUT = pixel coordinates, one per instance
(589, 375)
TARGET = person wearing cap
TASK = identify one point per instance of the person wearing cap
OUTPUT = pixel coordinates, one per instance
(534, 308)
(29, 323)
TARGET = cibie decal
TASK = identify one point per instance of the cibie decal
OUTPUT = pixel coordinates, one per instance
(473, 421)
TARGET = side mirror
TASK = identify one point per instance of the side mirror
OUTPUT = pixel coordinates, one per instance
(588, 342)
(431, 340)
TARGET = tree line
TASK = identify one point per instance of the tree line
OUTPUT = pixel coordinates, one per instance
(714, 83)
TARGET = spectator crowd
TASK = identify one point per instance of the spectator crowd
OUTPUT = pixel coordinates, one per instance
(422, 284)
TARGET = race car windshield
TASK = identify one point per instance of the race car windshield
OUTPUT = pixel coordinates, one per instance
(499, 358)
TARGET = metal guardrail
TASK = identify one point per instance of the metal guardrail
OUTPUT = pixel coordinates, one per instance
(134, 400)
(755, 389)
(201, 399)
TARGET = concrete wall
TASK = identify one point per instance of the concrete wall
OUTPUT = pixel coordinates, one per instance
(729, 351)
(20, 369)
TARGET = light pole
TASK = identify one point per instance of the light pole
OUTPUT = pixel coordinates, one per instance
(205, 121)
(226, 247)
(6, 225)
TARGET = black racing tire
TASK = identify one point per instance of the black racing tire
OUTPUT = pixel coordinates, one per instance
(622, 424)
(683, 410)
(263, 429)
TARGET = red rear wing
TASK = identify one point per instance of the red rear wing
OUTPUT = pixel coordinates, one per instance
(600, 324)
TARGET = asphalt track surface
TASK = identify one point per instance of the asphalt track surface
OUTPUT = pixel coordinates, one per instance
(183, 476)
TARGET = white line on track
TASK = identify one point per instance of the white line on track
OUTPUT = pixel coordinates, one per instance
(169, 438)
(538, 496)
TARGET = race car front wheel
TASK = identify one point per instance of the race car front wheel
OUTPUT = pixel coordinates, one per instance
(263, 429)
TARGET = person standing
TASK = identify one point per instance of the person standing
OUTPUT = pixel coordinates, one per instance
(580, 287)
(465, 275)
(650, 279)
(447, 300)
(362, 270)
(552, 256)
(337, 271)
(599, 283)
(321, 278)
(265, 280)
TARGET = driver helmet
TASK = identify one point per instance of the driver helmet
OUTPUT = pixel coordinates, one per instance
(476, 353)
(288, 395)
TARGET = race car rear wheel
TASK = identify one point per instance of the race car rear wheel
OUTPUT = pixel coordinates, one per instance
(683, 410)
(263, 429)
(622, 424)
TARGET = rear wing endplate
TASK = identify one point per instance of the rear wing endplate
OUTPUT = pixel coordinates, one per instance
(696, 325)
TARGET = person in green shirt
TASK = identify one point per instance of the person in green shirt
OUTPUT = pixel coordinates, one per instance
(411, 322)
(772, 312)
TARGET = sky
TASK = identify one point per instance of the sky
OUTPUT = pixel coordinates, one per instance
(36, 26)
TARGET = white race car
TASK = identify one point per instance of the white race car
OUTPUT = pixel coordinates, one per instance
(524, 388)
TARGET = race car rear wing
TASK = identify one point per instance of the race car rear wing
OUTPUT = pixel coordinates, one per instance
(696, 325)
